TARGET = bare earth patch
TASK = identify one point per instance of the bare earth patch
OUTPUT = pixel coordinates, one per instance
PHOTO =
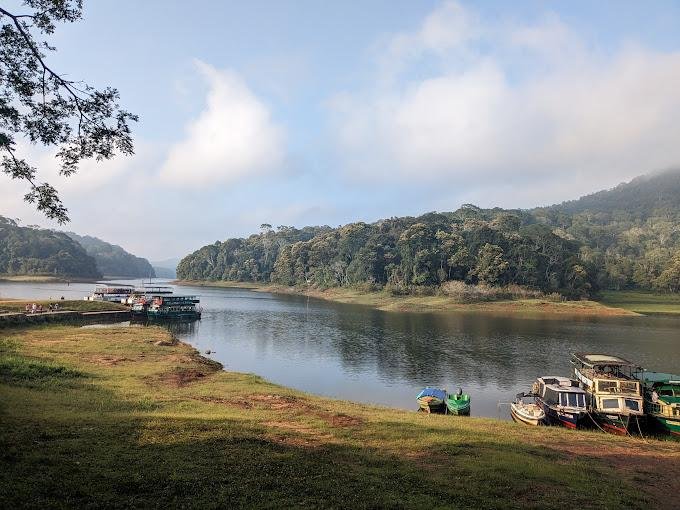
(180, 377)
(108, 360)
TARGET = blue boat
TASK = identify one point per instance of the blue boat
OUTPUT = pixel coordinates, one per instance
(432, 400)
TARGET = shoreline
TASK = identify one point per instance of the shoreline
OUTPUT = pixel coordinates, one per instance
(432, 304)
(152, 409)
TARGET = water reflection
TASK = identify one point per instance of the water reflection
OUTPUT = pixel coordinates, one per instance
(362, 354)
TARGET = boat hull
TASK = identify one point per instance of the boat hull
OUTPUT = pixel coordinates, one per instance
(667, 425)
(180, 316)
(458, 407)
(520, 417)
(620, 425)
(568, 419)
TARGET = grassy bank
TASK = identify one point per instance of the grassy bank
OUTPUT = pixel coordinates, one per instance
(647, 303)
(41, 278)
(77, 305)
(125, 417)
(438, 303)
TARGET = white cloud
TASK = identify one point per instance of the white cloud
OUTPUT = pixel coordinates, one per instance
(481, 104)
(233, 137)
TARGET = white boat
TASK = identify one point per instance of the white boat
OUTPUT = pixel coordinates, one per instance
(529, 413)
(117, 293)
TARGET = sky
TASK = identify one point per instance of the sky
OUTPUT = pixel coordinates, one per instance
(323, 113)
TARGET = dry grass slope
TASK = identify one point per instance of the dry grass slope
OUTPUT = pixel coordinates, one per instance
(126, 417)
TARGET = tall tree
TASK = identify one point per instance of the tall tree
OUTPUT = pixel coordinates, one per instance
(40, 106)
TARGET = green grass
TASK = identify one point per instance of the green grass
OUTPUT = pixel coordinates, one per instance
(147, 425)
(19, 370)
(77, 305)
(643, 302)
(383, 300)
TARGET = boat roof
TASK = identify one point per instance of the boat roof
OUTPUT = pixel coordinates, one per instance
(559, 383)
(597, 360)
(660, 377)
(432, 392)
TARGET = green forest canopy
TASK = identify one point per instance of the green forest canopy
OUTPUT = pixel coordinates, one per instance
(34, 251)
(627, 237)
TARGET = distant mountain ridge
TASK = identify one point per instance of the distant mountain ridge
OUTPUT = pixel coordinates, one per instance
(641, 196)
(112, 260)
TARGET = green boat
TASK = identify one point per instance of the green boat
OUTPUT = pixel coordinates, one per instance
(662, 401)
(173, 308)
(458, 404)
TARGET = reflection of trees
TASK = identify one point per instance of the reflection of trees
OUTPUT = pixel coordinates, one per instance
(470, 349)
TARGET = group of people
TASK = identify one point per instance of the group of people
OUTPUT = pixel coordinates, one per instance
(38, 308)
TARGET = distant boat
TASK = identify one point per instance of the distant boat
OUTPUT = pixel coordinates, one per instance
(117, 293)
(614, 395)
(431, 400)
(458, 404)
(562, 401)
(662, 401)
(529, 413)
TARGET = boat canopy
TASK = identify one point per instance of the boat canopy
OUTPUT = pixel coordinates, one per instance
(433, 392)
(601, 360)
(659, 378)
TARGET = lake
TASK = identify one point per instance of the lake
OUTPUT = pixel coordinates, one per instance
(357, 353)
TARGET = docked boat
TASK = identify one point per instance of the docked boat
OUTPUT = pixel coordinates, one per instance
(117, 293)
(146, 292)
(614, 395)
(562, 401)
(529, 413)
(458, 404)
(173, 308)
(662, 401)
(432, 400)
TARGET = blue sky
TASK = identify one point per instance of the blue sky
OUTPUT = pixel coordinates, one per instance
(308, 112)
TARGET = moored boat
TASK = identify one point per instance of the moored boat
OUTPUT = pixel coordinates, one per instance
(458, 404)
(562, 401)
(432, 400)
(614, 396)
(173, 308)
(662, 401)
(529, 413)
(117, 293)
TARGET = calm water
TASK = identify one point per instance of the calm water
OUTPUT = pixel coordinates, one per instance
(357, 353)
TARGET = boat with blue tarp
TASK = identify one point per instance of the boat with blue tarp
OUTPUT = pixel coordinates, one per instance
(432, 400)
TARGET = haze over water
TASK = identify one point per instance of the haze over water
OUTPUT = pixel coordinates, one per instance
(358, 353)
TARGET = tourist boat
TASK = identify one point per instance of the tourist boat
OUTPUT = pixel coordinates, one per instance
(562, 401)
(117, 293)
(614, 396)
(662, 401)
(174, 307)
(431, 400)
(458, 404)
(529, 413)
(146, 292)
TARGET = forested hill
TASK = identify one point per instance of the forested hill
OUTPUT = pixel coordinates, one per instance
(112, 260)
(34, 251)
(630, 233)
(627, 237)
(643, 197)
